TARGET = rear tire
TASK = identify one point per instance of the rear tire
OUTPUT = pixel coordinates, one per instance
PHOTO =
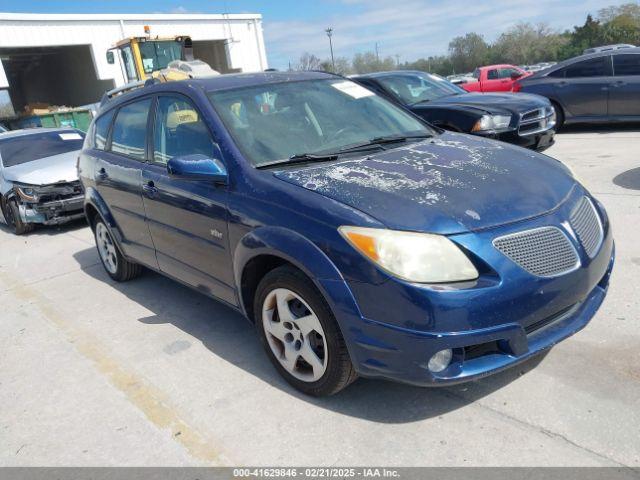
(295, 324)
(11, 213)
(119, 268)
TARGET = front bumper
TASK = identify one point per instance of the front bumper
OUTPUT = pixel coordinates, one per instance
(497, 322)
(538, 141)
(55, 212)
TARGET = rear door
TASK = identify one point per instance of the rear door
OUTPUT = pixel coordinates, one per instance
(118, 175)
(624, 93)
(187, 218)
(583, 87)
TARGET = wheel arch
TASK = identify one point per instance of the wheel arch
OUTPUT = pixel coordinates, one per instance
(266, 248)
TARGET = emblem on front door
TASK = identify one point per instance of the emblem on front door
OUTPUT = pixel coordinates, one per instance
(216, 233)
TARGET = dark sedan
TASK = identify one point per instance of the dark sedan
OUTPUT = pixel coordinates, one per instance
(525, 120)
(595, 88)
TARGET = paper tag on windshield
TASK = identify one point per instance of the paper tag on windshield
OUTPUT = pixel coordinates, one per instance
(353, 89)
(70, 136)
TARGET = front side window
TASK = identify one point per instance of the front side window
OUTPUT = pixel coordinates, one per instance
(34, 146)
(594, 67)
(179, 130)
(413, 88)
(276, 121)
(628, 64)
(130, 129)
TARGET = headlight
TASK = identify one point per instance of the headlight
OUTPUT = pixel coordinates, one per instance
(492, 122)
(28, 194)
(415, 257)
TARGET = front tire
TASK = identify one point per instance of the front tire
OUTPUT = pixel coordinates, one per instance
(11, 213)
(119, 268)
(300, 334)
(559, 115)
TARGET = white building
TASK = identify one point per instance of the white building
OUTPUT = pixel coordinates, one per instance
(60, 59)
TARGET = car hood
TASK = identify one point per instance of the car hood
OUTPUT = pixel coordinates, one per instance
(450, 184)
(491, 102)
(45, 171)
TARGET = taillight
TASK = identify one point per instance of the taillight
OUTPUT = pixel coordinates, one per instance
(516, 87)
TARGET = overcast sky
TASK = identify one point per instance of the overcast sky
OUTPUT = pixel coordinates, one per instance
(409, 28)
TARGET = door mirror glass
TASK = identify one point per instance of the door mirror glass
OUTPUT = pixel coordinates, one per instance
(197, 167)
(110, 58)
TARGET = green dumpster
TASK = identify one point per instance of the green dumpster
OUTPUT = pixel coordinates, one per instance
(77, 118)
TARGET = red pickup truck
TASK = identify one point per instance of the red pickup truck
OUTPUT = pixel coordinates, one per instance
(494, 78)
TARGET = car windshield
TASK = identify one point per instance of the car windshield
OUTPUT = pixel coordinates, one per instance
(278, 121)
(419, 87)
(34, 146)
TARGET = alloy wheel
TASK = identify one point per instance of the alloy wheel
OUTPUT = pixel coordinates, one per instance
(295, 335)
(106, 248)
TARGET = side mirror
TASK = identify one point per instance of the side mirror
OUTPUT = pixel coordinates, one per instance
(110, 58)
(515, 75)
(197, 167)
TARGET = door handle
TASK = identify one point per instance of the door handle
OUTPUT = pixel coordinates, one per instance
(102, 175)
(619, 83)
(150, 189)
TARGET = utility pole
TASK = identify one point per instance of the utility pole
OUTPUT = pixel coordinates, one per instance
(329, 32)
(397, 60)
(377, 53)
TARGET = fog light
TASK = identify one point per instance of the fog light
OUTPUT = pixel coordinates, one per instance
(440, 360)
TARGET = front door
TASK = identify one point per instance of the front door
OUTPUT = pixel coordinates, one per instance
(187, 218)
(118, 176)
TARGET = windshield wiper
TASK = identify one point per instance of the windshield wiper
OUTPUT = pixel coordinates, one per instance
(301, 158)
(377, 141)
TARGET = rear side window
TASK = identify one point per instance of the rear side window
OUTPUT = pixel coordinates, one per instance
(27, 148)
(628, 64)
(594, 67)
(179, 130)
(101, 130)
(492, 75)
(130, 129)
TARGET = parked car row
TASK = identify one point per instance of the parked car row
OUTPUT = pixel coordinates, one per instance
(349, 219)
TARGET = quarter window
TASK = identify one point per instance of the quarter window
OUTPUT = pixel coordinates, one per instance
(626, 65)
(130, 129)
(179, 130)
(102, 130)
(594, 67)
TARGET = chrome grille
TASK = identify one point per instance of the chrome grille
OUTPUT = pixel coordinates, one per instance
(586, 223)
(533, 114)
(536, 121)
(545, 252)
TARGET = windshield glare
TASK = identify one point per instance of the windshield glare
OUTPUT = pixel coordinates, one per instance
(276, 121)
(419, 87)
(27, 148)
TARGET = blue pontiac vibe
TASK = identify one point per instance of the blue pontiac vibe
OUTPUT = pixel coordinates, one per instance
(360, 240)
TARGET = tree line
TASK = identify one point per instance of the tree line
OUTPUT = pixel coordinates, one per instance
(522, 44)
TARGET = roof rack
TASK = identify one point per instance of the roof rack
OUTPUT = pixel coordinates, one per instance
(126, 88)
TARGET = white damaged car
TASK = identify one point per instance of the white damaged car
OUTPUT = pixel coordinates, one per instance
(38, 177)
